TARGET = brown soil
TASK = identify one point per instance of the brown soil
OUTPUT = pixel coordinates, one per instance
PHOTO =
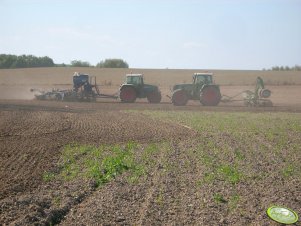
(31, 136)
(33, 133)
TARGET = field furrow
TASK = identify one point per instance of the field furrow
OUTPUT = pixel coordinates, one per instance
(102, 163)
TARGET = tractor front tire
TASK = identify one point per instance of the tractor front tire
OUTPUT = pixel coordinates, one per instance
(154, 97)
(179, 97)
(210, 96)
(128, 94)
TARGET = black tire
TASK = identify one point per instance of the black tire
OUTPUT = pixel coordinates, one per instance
(128, 94)
(179, 97)
(154, 97)
(210, 96)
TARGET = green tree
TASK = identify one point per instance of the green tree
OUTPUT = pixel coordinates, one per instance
(276, 68)
(46, 62)
(20, 62)
(113, 63)
(6, 61)
(24, 61)
(79, 63)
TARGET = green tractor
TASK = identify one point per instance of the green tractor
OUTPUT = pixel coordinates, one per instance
(134, 88)
(201, 89)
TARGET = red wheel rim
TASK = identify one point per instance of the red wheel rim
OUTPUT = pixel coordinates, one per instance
(210, 96)
(179, 98)
(127, 94)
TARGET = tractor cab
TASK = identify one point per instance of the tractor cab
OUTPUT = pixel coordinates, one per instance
(134, 79)
(202, 78)
(199, 81)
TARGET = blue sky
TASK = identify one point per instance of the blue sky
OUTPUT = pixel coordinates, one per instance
(190, 34)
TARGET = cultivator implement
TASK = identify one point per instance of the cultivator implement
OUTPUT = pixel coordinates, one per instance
(249, 98)
(258, 98)
(85, 88)
(55, 94)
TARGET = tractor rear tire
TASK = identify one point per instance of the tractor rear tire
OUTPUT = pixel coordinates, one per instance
(154, 97)
(128, 94)
(179, 97)
(210, 96)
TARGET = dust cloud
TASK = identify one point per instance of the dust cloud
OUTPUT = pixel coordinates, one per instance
(16, 92)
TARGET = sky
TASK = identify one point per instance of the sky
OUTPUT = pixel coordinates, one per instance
(175, 34)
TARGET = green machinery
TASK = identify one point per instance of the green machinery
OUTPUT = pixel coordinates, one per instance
(208, 93)
(202, 89)
(134, 88)
(257, 98)
(86, 89)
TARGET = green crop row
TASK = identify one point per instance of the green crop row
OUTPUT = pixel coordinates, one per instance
(103, 163)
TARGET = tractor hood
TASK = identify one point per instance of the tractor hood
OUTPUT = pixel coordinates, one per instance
(183, 86)
(150, 88)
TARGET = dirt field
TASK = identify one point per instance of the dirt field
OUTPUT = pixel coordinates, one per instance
(33, 135)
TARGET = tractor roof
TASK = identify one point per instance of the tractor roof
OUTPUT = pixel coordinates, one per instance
(203, 73)
(78, 73)
(134, 75)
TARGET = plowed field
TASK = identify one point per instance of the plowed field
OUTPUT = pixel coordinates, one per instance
(33, 135)
(31, 138)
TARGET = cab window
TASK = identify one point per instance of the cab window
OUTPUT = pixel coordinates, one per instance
(203, 79)
(133, 80)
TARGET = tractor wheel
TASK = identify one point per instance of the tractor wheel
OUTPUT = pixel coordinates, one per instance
(128, 94)
(154, 97)
(179, 97)
(265, 93)
(210, 96)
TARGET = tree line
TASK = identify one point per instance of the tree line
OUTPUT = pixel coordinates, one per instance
(24, 61)
(8, 61)
(284, 68)
(108, 63)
